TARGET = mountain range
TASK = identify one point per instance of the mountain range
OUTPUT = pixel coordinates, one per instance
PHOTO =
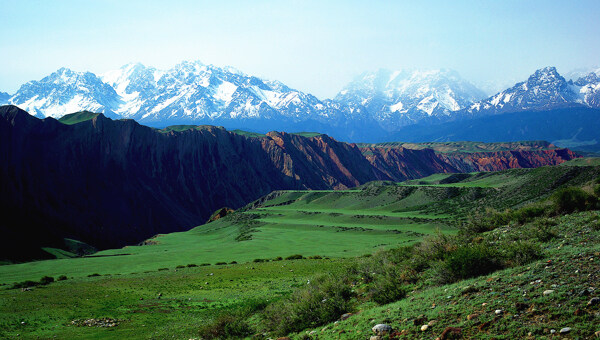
(59, 179)
(369, 109)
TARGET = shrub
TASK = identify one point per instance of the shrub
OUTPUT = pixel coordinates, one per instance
(233, 262)
(62, 278)
(315, 257)
(180, 266)
(543, 230)
(226, 326)
(388, 287)
(521, 252)
(320, 302)
(46, 280)
(295, 257)
(205, 264)
(259, 260)
(220, 263)
(192, 265)
(25, 284)
(572, 199)
(96, 274)
(528, 213)
(278, 258)
(161, 269)
(472, 260)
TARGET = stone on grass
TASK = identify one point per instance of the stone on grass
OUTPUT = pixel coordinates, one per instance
(548, 292)
(382, 329)
(424, 328)
(565, 330)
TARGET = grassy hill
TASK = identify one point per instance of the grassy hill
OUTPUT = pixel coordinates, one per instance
(241, 269)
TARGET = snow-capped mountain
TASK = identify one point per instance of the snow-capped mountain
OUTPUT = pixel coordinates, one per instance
(544, 89)
(66, 91)
(408, 96)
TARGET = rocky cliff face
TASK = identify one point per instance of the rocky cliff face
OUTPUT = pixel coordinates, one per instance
(111, 183)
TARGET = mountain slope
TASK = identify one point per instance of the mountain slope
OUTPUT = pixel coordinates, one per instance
(111, 183)
(544, 89)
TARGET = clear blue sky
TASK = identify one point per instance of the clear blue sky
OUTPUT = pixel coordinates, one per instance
(314, 46)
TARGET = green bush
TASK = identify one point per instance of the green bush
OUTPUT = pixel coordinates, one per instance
(278, 258)
(233, 262)
(192, 265)
(220, 263)
(25, 284)
(295, 257)
(320, 302)
(96, 274)
(226, 326)
(527, 213)
(260, 260)
(180, 266)
(46, 280)
(471, 261)
(521, 252)
(572, 199)
(62, 278)
(387, 288)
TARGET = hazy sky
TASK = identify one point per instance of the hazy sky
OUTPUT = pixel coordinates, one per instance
(313, 46)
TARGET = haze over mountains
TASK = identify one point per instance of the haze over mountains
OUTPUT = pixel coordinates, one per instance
(372, 108)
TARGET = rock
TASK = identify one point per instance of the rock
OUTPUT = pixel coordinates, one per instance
(451, 333)
(382, 329)
(312, 333)
(472, 316)
(548, 292)
(593, 302)
(484, 304)
(498, 311)
(345, 316)
(431, 323)
(565, 330)
(552, 331)
(424, 328)
(375, 337)
(284, 338)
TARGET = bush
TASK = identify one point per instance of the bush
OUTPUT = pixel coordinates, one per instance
(46, 280)
(260, 260)
(180, 266)
(543, 230)
(192, 265)
(318, 303)
(315, 257)
(295, 257)
(572, 199)
(96, 274)
(205, 264)
(521, 252)
(528, 213)
(62, 278)
(278, 258)
(220, 263)
(25, 284)
(226, 326)
(471, 261)
(387, 288)
(233, 262)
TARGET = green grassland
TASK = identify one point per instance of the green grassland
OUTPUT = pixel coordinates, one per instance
(77, 117)
(172, 285)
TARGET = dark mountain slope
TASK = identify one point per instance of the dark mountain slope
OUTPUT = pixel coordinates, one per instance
(112, 183)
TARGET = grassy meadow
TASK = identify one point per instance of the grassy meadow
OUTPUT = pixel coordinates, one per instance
(239, 275)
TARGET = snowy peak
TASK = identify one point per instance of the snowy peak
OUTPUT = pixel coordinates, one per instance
(4, 98)
(545, 88)
(408, 96)
(66, 91)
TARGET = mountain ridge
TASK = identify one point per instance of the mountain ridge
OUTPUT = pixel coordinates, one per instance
(60, 179)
